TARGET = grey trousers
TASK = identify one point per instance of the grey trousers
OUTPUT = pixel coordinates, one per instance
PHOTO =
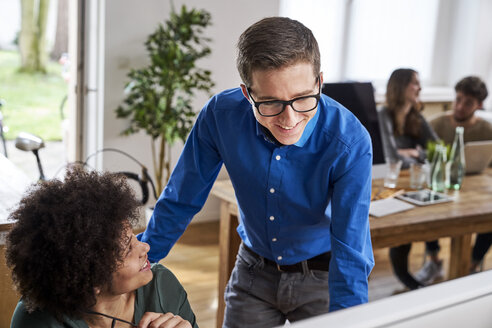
(258, 295)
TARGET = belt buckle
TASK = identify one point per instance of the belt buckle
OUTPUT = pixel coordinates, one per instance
(278, 268)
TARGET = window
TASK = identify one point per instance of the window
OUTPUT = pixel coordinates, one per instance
(367, 40)
(325, 19)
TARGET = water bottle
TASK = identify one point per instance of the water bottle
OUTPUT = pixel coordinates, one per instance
(431, 167)
(438, 175)
(455, 168)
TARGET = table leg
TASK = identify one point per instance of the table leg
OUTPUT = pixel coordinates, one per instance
(459, 265)
(229, 242)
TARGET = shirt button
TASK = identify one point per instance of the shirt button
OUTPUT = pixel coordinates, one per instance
(272, 218)
(278, 157)
(272, 190)
(274, 239)
(279, 258)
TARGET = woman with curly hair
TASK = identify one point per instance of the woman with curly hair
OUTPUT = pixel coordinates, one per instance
(405, 134)
(77, 263)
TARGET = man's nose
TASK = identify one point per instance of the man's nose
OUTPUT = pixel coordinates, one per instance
(288, 111)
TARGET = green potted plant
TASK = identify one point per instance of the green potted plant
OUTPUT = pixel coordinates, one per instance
(431, 148)
(158, 96)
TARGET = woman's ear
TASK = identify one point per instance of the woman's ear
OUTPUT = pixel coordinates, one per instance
(97, 291)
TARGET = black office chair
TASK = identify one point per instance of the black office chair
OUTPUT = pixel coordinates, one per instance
(358, 97)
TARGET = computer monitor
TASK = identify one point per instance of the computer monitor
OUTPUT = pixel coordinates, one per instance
(358, 97)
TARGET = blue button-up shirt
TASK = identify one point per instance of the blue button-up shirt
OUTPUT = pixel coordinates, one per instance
(295, 202)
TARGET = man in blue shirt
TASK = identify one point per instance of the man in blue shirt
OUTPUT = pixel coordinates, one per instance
(300, 164)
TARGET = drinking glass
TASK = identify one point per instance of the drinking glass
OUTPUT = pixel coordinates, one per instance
(418, 175)
(393, 167)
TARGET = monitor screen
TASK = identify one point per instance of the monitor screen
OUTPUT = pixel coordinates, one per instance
(358, 97)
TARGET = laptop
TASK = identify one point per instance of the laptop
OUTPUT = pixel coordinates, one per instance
(478, 155)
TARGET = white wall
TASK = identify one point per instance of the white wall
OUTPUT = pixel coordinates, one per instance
(128, 23)
(464, 43)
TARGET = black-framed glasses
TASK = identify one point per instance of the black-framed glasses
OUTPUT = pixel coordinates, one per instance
(276, 107)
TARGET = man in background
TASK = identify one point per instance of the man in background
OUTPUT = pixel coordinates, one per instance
(471, 91)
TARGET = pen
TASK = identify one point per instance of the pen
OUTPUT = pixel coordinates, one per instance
(396, 193)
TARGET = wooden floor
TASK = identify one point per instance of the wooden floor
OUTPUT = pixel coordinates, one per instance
(194, 260)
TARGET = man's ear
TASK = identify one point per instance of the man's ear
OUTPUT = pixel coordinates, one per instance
(321, 79)
(245, 92)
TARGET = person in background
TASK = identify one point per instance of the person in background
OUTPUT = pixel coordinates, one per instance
(405, 134)
(76, 262)
(471, 92)
(300, 164)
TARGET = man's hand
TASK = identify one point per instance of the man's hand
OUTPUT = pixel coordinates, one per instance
(160, 320)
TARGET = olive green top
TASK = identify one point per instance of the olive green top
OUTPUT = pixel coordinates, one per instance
(163, 294)
(481, 130)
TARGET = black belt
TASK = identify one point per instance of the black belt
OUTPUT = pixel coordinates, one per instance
(320, 262)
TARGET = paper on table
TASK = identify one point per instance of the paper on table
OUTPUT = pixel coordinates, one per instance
(388, 206)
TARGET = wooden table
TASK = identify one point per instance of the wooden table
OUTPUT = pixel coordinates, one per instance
(470, 212)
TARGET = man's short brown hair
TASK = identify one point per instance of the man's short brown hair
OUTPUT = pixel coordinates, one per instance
(275, 42)
(472, 86)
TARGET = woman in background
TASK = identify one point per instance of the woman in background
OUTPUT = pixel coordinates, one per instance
(405, 134)
(77, 263)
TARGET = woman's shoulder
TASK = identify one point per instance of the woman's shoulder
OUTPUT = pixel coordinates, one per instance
(39, 319)
(162, 294)
(383, 112)
(162, 273)
(384, 117)
(163, 279)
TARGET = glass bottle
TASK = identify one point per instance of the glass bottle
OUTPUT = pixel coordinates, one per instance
(432, 165)
(455, 168)
(438, 175)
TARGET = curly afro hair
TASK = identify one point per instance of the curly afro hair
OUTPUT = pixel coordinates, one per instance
(67, 240)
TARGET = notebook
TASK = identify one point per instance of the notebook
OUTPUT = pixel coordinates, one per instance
(388, 206)
(478, 155)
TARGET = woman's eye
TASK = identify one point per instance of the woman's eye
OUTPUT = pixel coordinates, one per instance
(130, 248)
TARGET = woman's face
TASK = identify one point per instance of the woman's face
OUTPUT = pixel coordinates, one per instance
(135, 270)
(412, 90)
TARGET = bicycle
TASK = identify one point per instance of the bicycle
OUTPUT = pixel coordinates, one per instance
(2, 137)
(32, 143)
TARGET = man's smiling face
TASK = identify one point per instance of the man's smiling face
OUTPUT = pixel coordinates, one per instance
(285, 83)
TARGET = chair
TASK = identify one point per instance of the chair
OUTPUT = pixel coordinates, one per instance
(358, 97)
